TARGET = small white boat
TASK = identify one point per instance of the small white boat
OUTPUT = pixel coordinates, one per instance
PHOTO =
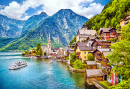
(18, 65)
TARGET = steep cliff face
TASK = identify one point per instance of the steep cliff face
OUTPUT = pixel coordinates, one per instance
(10, 27)
(33, 22)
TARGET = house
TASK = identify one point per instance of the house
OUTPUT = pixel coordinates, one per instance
(107, 33)
(91, 64)
(97, 55)
(82, 50)
(125, 20)
(73, 45)
(101, 44)
(64, 49)
(59, 53)
(84, 33)
(102, 61)
(105, 64)
(119, 35)
(94, 74)
(54, 51)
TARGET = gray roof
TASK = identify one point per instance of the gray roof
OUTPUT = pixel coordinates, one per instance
(94, 72)
(91, 62)
(106, 53)
(104, 49)
(44, 47)
(71, 51)
(105, 29)
(84, 47)
(87, 32)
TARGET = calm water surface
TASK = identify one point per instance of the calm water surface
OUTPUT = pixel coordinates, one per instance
(39, 74)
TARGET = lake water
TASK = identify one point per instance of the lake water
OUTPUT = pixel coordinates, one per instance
(39, 74)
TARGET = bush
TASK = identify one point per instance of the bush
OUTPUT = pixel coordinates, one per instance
(66, 58)
(27, 52)
(90, 57)
(72, 58)
(77, 64)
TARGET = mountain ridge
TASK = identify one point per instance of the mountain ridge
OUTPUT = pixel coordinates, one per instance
(62, 26)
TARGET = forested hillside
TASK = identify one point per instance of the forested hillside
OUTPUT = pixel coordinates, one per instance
(110, 16)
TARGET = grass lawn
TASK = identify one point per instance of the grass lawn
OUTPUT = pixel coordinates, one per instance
(105, 83)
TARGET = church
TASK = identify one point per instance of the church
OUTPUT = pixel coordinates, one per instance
(47, 49)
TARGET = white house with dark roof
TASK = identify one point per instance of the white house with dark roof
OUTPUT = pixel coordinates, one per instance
(84, 33)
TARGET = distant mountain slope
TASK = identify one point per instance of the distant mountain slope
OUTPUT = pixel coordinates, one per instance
(4, 41)
(110, 16)
(32, 22)
(10, 27)
(62, 26)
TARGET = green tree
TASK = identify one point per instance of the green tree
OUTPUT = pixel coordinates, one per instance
(27, 52)
(78, 64)
(120, 55)
(125, 32)
(39, 49)
(124, 84)
(72, 58)
(90, 57)
(45, 53)
(72, 41)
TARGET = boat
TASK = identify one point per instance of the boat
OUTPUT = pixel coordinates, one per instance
(18, 65)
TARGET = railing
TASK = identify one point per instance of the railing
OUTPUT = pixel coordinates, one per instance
(98, 84)
(106, 72)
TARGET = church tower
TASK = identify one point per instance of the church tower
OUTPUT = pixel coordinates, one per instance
(49, 45)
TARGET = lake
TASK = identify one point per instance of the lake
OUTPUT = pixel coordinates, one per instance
(39, 74)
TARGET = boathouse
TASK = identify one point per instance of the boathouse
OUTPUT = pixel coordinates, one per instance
(94, 74)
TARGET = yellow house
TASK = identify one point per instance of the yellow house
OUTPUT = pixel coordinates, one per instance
(125, 20)
(82, 50)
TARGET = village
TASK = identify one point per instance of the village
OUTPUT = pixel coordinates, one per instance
(88, 54)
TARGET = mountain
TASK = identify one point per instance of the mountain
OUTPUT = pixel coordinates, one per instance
(32, 22)
(108, 4)
(10, 28)
(110, 16)
(62, 27)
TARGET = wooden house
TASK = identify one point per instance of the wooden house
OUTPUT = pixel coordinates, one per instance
(125, 20)
(102, 61)
(94, 74)
(100, 44)
(91, 65)
(107, 33)
(82, 50)
(119, 35)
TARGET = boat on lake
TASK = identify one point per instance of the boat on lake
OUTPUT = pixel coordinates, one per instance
(18, 65)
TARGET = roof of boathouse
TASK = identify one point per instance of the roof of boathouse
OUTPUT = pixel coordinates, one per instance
(94, 72)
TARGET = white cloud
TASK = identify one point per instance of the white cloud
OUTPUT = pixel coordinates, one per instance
(16, 10)
(2, 6)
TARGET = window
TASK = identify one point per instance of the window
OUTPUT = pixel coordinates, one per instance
(84, 52)
(91, 67)
(88, 52)
(106, 34)
(107, 37)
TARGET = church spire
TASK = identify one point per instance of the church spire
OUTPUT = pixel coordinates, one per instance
(49, 37)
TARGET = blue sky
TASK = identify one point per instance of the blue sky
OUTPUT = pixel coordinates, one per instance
(23, 9)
